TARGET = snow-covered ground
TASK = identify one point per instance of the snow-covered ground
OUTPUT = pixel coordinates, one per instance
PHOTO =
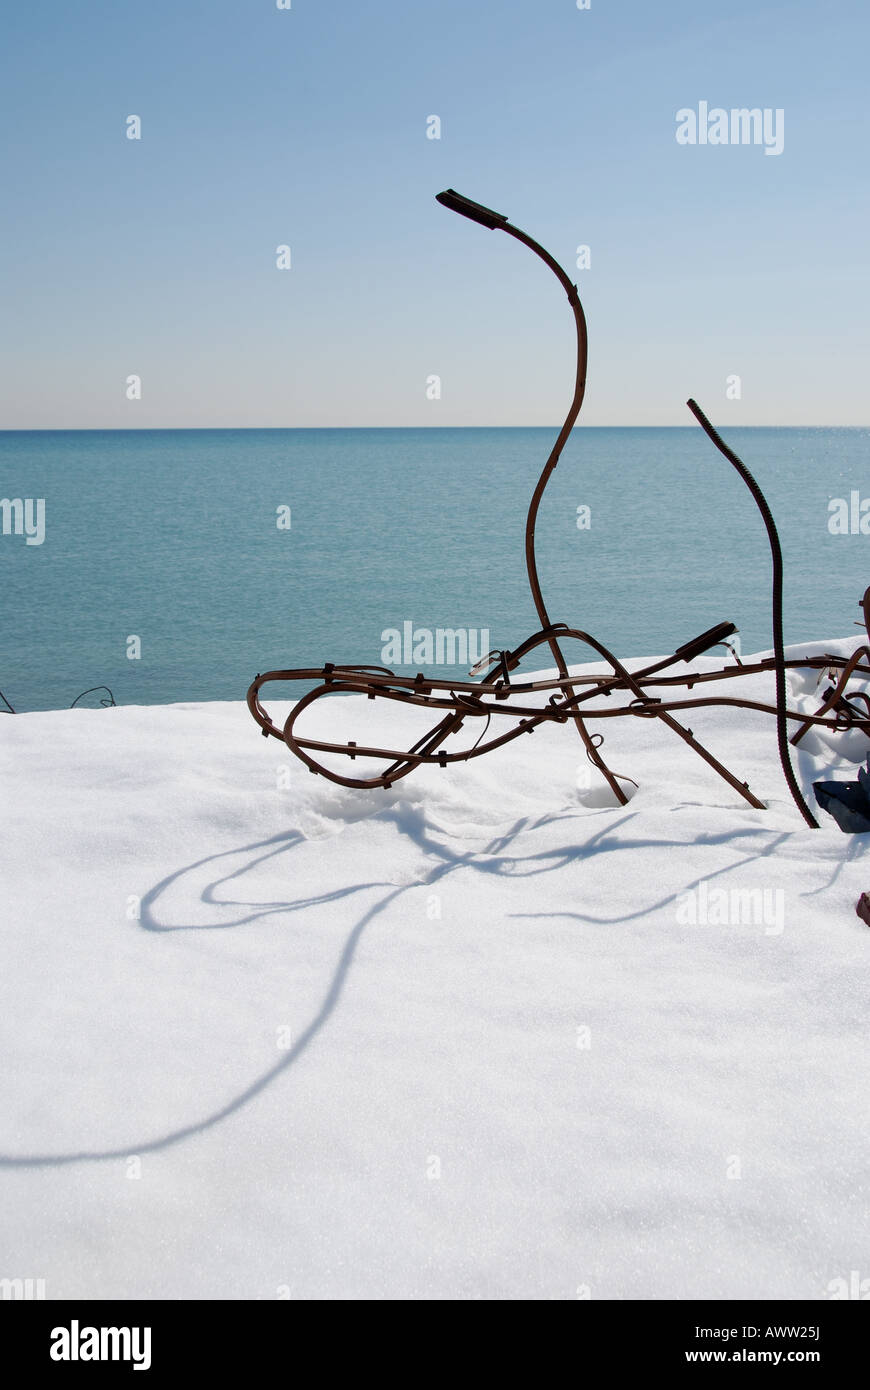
(267, 1037)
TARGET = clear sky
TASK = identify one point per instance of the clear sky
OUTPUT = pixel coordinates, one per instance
(307, 127)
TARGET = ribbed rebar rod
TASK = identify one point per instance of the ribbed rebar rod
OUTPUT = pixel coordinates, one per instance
(776, 607)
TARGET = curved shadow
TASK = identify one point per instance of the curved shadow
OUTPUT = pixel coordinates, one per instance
(280, 843)
(669, 897)
(857, 846)
(411, 823)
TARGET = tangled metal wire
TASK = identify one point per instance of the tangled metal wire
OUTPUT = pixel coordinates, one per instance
(496, 695)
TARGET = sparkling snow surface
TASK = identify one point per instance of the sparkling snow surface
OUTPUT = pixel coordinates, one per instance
(461, 1038)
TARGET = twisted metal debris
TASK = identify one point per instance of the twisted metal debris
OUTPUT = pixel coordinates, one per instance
(498, 697)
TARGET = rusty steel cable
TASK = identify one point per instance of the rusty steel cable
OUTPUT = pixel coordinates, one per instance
(496, 693)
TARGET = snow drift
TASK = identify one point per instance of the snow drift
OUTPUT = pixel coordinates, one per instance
(483, 1035)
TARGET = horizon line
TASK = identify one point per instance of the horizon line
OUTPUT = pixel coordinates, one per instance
(255, 429)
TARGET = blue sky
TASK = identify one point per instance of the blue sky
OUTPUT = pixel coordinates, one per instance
(307, 127)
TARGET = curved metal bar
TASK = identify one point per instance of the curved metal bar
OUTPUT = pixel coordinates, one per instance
(424, 751)
(778, 646)
(832, 699)
(531, 519)
(483, 701)
(452, 702)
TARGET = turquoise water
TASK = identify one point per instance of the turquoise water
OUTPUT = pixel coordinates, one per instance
(171, 536)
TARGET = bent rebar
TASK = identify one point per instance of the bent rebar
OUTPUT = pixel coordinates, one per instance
(496, 694)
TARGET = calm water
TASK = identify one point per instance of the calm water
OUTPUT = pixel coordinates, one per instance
(171, 536)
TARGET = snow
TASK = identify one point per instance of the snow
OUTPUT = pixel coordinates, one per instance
(289, 1076)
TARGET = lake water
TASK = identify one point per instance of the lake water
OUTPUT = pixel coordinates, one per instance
(172, 537)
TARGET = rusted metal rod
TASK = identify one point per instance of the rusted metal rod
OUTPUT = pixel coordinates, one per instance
(498, 222)
(497, 694)
(778, 646)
